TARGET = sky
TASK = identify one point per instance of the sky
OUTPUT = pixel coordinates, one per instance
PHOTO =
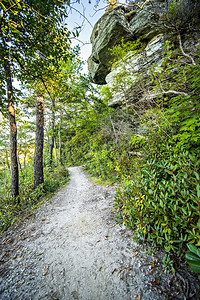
(75, 19)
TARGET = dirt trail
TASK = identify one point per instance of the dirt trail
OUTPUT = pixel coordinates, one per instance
(73, 249)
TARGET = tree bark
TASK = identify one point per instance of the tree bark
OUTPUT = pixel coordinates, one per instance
(55, 148)
(4, 166)
(25, 161)
(7, 161)
(19, 164)
(52, 138)
(39, 142)
(51, 145)
(13, 130)
(59, 140)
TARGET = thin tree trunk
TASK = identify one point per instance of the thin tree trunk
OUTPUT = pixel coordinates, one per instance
(113, 127)
(55, 148)
(39, 142)
(13, 130)
(5, 171)
(25, 161)
(59, 140)
(4, 166)
(19, 164)
(51, 145)
(52, 142)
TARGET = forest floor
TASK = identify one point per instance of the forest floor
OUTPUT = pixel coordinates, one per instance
(72, 248)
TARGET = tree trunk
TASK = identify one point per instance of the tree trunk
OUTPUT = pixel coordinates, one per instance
(59, 140)
(114, 130)
(13, 130)
(39, 142)
(55, 148)
(51, 145)
(25, 161)
(7, 161)
(19, 164)
(4, 166)
(18, 160)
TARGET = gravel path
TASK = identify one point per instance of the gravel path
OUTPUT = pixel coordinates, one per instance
(73, 249)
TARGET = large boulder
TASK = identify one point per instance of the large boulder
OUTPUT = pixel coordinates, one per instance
(121, 22)
(132, 23)
(107, 32)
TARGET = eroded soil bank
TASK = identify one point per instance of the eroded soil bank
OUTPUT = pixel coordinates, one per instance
(73, 249)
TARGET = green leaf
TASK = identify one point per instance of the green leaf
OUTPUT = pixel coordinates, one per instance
(195, 269)
(198, 190)
(191, 257)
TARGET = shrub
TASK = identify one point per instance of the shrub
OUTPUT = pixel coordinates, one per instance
(54, 178)
(161, 201)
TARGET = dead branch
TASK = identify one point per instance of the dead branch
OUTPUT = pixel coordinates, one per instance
(183, 52)
(115, 133)
(170, 92)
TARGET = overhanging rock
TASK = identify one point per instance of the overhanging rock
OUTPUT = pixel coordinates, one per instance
(107, 32)
(132, 23)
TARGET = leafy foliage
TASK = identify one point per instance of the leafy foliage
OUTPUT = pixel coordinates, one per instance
(154, 153)
(193, 258)
(180, 79)
(120, 50)
(159, 195)
(30, 198)
(160, 200)
(99, 139)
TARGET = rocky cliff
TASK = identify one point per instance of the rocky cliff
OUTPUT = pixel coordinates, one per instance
(158, 21)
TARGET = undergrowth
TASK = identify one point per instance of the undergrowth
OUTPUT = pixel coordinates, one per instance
(160, 201)
(153, 152)
(29, 198)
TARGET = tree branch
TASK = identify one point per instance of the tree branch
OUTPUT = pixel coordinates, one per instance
(33, 76)
(46, 88)
(23, 67)
(115, 133)
(81, 15)
(171, 92)
(183, 52)
(112, 6)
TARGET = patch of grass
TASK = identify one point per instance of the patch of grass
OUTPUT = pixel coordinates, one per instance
(101, 181)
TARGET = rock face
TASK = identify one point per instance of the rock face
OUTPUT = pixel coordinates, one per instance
(132, 23)
(107, 32)
(135, 66)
